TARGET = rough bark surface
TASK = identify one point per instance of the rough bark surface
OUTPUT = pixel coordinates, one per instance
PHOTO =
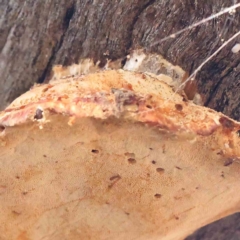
(227, 228)
(36, 34)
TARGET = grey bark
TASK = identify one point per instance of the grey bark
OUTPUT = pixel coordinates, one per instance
(36, 34)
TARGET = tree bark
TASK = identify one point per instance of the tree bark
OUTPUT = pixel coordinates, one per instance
(36, 34)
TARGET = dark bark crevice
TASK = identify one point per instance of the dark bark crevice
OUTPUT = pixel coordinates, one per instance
(226, 74)
(132, 26)
(66, 20)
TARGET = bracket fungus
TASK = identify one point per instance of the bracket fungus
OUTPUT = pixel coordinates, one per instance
(114, 155)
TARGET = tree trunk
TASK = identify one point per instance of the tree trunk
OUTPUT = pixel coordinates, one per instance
(36, 34)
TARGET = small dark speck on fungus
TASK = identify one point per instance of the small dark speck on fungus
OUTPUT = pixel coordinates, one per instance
(160, 170)
(132, 160)
(157, 195)
(16, 212)
(228, 162)
(238, 133)
(38, 114)
(115, 177)
(95, 151)
(179, 107)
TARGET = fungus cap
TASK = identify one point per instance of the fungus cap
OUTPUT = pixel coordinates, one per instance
(114, 155)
